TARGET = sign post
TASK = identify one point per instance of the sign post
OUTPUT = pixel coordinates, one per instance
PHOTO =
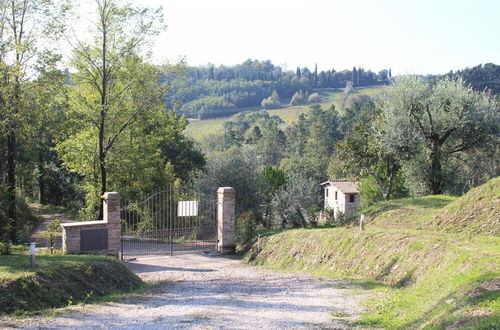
(32, 255)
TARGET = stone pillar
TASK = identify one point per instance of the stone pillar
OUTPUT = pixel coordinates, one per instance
(112, 218)
(226, 221)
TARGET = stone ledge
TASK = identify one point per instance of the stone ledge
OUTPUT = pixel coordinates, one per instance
(84, 223)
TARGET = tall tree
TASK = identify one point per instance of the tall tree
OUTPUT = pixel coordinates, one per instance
(115, 86)
(26, 27)
(315, 76)
(354, 77)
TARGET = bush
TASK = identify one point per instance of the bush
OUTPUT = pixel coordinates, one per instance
(315, 98)
(5, 248)
(331, 221)
(298, 98)
(52, 233)
(272, 102)
(246, 225)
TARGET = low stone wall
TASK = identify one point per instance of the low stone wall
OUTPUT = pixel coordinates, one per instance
(96, 237)
(72, 233)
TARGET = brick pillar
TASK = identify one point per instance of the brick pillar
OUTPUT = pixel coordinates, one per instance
(112, 217)
(226, 219)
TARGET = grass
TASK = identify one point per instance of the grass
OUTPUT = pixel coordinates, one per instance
(18, 265)
(477, 212)
(61, 280)
(420, 274)
(201, 129)
(416, 273)
(406, 212)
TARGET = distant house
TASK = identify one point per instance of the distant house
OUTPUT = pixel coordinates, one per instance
(341, 196)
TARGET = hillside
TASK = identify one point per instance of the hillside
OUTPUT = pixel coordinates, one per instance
(200, 129)
(476, 212)
(417, 259)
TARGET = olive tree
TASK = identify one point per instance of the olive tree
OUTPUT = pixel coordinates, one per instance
(441, 120)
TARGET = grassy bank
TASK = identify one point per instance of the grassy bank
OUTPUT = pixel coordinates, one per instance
(476, 213)
(58, 281)
(426, 279)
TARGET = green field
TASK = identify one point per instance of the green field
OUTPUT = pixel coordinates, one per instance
(200, 129)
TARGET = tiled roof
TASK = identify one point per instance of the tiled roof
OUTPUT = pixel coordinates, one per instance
(345, 186)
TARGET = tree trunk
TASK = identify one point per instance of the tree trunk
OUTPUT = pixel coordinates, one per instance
(41, 178)
(102, 152)
(301, 216)
(102, 170)
(11, 183)
(392, 173)
(436, 175)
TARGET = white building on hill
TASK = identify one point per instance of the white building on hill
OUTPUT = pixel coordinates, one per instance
(341, 196)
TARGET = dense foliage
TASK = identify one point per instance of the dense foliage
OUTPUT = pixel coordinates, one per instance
(420, 136)
(68, 136)
(210, 91)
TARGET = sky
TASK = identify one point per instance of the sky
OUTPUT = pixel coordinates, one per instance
(424, 36)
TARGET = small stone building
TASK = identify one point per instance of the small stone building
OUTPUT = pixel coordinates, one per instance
(341, 196)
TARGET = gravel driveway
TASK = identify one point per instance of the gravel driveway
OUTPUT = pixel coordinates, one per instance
(209, 291)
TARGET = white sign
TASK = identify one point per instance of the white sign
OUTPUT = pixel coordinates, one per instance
(187, 209)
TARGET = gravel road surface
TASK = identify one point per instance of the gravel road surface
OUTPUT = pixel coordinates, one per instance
(212, 292)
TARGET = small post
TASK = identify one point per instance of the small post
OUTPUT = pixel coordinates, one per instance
(362, 222)
(32, 255)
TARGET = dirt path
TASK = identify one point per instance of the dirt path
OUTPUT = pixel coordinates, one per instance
(206, 292)
(48, 216)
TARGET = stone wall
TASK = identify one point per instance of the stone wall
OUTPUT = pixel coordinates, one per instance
(72, 232)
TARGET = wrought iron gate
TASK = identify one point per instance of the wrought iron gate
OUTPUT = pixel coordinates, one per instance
(170, 221)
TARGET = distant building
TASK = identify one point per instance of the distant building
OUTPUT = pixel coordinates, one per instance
(341, 196)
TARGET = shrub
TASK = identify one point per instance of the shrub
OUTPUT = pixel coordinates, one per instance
(246, 225)
(272, 102)
(5, 248)
(298, 98)
(51, 234)
(315, 98)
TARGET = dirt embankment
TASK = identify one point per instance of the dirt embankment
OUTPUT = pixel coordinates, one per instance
(61, 286)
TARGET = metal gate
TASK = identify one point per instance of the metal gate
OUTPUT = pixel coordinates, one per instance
(170, 221)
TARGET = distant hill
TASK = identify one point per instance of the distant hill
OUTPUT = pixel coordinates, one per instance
(200, 129)
(212, 92)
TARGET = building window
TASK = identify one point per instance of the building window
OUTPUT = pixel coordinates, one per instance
(351, 198)
(335, 195)
(326, 192)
